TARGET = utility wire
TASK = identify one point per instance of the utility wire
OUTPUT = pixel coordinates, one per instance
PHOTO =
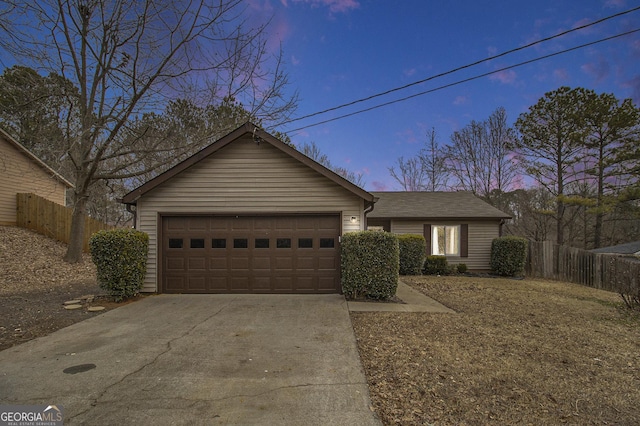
(466, 80)
(459, 68)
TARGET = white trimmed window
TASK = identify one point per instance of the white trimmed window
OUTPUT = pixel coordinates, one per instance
(445, 240)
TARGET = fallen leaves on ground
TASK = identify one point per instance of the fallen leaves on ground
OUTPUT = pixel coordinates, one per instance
(34, 284)
(516, 352)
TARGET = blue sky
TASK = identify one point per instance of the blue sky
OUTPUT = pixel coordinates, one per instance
(338, 51)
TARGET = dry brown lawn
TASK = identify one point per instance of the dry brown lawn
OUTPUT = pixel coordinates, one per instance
(516, 352)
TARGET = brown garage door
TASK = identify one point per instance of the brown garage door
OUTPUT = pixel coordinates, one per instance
(250, 254)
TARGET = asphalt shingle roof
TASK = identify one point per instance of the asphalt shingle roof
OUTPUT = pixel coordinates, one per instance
(628, 248)
(433, 205)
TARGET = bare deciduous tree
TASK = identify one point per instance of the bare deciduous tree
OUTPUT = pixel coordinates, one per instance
(127, 58)
(312, 151)
(410, 174)
(480, 157)
(427, 171)
(433, 161)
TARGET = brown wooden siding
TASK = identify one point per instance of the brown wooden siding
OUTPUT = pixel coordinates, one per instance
(244, 178)
(18, 173)
(480, 236)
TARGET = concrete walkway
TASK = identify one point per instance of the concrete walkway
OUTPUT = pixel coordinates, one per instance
(414, 302)
(198, 360)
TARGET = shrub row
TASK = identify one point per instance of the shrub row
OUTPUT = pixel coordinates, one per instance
(370, 264)
(438, 265)
(120, 256)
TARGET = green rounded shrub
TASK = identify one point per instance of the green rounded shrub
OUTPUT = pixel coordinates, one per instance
(462, 268)
(508, 256)
(120, 256)
(370, 263)
(413, 249)
(436, 265)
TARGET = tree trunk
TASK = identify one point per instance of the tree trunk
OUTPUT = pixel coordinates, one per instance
(560, 223)
(597, 239)
(599, 213)
(76, 236)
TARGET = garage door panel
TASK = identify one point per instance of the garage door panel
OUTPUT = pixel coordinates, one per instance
(326, 223)
(197, 264)
(283, 284)
(218, 263)
(198, 224)
(245, 254)
(327, 262)
(326, 284)
(306, 283)
(284, 225)
(174, 223)
(239, 263)
(262, 263)
(174, 283)
(197, 283)
(219, 284)
(263, 224)
(174, 264)
(218, 226)
(239, 284)
(306, 263)
(283, 263)
(240, 224)
(262, 284)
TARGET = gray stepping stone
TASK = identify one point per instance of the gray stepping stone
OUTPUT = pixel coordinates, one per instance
(72, 307)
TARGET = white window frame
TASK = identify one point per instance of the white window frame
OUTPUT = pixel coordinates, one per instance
(452, 240)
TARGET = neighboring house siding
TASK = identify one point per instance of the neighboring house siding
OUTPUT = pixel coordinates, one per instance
(481, 234)
(18, 173)
(241, 178)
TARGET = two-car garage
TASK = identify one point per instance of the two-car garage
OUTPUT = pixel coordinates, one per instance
(250, 254)
(247, 214)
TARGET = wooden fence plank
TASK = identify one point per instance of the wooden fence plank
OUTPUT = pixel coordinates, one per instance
(603, 271)
(51, 219)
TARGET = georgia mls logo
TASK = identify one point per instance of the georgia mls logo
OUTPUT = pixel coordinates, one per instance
(31, 415)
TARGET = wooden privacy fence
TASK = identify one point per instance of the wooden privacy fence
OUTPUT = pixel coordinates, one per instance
(599, 270)
(52, 219)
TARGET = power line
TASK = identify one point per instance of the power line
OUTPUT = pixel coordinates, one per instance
(466, 80)
(458, 68)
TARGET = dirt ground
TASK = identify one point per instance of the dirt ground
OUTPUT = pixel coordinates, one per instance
(516, 352)
(35, 283)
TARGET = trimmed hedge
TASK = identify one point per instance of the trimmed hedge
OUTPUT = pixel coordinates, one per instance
(508, 256)
(120, 256)
(370, 264)
(436, 265)
(413, 251)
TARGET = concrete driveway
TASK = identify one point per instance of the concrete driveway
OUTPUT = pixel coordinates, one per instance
(198, 359)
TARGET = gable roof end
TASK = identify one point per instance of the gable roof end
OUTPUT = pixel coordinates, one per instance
(260, 136)
(6, 136)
